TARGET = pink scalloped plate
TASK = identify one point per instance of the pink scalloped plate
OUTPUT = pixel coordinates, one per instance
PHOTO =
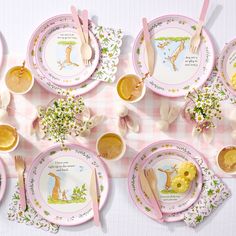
(77, 90)
(165, 155)
(58, 184)
(227, 65)
(3, 180)
(176, 70)
(1, 52)
(58, 55)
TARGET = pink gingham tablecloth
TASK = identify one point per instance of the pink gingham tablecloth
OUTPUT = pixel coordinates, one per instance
(103, 100)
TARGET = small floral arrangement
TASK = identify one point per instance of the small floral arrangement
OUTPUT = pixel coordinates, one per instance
(203, 107)
(62, 118)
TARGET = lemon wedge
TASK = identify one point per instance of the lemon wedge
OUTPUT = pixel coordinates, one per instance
(127, 87)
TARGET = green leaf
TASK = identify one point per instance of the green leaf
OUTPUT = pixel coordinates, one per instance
(138, 51)
(101, 188)
(147, 209)
(198, 219)
(104, 50)
(46, 213)
(210, 192)
(153, 149)
(175, 39)
(27, 219)
(66, 42)
(52, 153)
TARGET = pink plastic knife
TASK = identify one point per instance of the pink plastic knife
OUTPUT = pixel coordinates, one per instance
(150, 53)
(85, 25)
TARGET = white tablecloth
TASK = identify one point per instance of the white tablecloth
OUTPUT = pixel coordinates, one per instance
(18, 19)
(122, 218)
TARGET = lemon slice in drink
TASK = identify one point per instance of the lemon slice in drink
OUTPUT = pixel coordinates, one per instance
(127, 87)
(8, 137)
(19, 79)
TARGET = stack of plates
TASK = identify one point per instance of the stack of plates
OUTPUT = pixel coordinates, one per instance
(55, 60)
(163, 156)
(58, 184)
(177, 70)
(227, 65)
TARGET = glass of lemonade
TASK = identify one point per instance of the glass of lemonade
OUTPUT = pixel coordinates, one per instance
(9, 138)
(226, 160)
(128, 89)
(111, 146)
(19, 80)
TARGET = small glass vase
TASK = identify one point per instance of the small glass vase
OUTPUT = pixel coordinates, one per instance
(205, 124)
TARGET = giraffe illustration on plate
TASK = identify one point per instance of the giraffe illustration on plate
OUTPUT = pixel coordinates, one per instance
(57, 195)
(68, 50)
(172, 50)
(175, 55)
(168, 173)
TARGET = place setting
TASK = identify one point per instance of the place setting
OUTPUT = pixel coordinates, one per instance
(171, 55)
(55, 63)
(169, 181)
(68, 187)
(63, 187)
(79, 148)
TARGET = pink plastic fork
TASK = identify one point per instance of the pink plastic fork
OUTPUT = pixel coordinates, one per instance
(204, 11)
(196, 39)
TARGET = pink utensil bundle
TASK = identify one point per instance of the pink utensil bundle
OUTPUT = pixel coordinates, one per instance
(150, 53)
(94, 196)
(196, 39)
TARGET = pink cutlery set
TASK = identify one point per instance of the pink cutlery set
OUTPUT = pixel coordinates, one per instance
(168, 180)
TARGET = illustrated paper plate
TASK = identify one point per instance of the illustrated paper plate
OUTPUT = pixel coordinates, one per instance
(177, 70)
(227, 65)
(39, 71)
(59, 58)
(2, 180)
(163, 157)
(58, 184)
(1, 52)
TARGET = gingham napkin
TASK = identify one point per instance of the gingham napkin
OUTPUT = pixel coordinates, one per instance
(28, 217)
(214, 193)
